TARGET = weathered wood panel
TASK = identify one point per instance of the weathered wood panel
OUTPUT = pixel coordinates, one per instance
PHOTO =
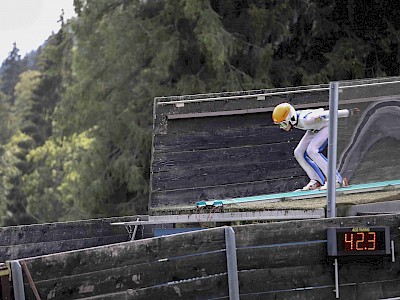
(306, 230)
(216, 147)
(245, 189)
(209, 157)
(232, 106)
(286, 260)
(213, 287)
(285, 278)
(351, 291)
(217, 124)
(141, 275)
(207, 143)
(208, 175)
(39, 239)
(128, 253)
(354, 291)
(16, 235)
(282, 255)
(223, 138)
(42, 248)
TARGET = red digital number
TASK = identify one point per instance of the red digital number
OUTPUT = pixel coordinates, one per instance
(371, 241)
(360, 241)
(348, 241)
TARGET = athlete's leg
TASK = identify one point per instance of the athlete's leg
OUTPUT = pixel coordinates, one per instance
(315, 148)
(312, 170)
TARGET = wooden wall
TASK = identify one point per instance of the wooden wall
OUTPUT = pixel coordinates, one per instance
(286, 260)
(216, 146)
(32, 240)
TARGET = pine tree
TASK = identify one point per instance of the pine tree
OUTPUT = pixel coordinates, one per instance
(11, 68)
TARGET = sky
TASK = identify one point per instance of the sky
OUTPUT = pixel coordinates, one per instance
(29, 23)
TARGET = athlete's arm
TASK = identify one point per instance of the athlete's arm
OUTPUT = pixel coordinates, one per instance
(323, 115)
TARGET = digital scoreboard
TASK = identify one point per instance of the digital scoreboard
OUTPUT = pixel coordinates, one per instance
(344, 241)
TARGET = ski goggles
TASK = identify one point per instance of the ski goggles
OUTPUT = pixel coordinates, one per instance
(283, 124)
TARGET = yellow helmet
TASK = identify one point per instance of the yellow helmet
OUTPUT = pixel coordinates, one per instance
(284, 114)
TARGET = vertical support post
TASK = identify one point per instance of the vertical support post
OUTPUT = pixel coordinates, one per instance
(135, 230)
(18, 281)
(233, 281)
(393, 255)
(336, 278)
(332, 148)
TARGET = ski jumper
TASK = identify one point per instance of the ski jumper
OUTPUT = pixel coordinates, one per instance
(308, 152)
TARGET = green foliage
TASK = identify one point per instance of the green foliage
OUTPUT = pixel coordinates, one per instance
(61, 186)
(13, 165)
(24, 92)
(10, 70)
(85, 114)
(5, 118)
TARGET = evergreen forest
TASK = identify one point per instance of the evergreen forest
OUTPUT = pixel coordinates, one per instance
(76, 114)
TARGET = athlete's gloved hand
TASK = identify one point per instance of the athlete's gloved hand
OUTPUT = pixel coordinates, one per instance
(354, 111)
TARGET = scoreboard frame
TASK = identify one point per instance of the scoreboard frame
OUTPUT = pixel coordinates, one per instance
(354, 241)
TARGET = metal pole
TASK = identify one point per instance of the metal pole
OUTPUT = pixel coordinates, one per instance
(336, 278)
(135, 230)
(393, 256)
(18, 281)
(332, 148)
(233, 281)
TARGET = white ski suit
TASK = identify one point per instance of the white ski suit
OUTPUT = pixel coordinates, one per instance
(309, 150)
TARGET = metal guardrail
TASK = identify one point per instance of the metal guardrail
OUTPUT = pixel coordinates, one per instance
(262, 96)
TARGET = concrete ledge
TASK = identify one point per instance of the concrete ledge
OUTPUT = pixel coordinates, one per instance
(273, 215)
(389, 207)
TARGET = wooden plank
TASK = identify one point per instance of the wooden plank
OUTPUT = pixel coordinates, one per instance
(136, 276)
(285, 278)
(282, 283)
(384, 289)
(112, 296)
(193, 159)
(363, 269)
(49, 232)
(215, 124)
(162, 111)
(35, 249)
(202, 288)
(305, 230)
(244, 189)
(178, 178)
(282, 255)
(276, 260)
(223, 138)
(122, 254)
(368, 290)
